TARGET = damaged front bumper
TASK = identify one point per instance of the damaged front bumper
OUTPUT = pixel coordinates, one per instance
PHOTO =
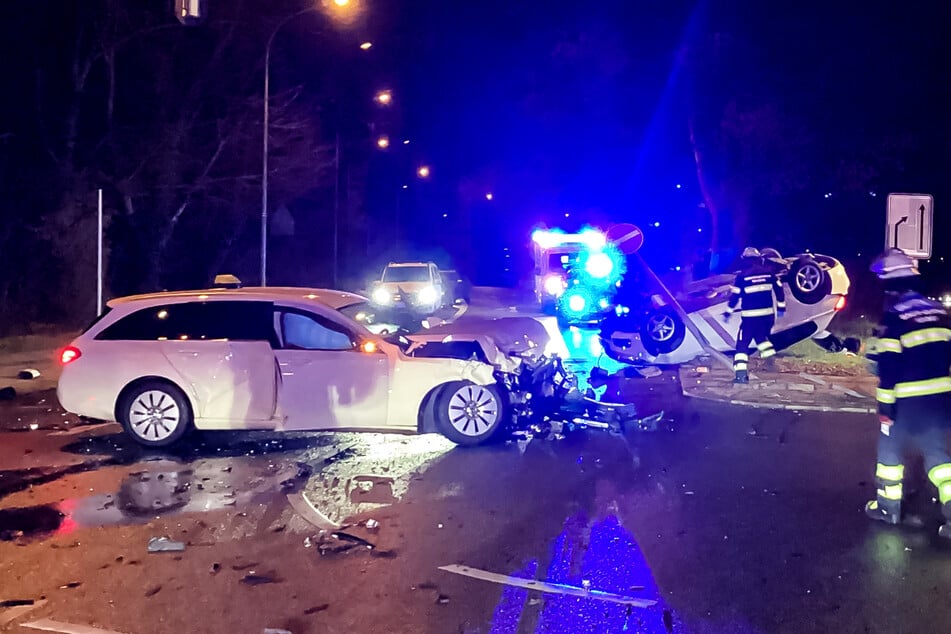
(546, 402)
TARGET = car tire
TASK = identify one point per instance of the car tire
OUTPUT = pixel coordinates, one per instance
(469, 414)
(808, 281)
(154, 413)
(663, 331)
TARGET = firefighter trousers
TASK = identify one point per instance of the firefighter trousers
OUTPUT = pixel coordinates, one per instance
(921, 423)
(752, 330)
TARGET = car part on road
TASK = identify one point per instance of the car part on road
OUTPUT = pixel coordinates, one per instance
(155, 413)
(663, 331)
(165, 545)
(7, 394)
(551, 588)
(28, 374)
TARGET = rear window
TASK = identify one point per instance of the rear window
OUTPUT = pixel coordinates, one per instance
(237, 321)
(95, 321)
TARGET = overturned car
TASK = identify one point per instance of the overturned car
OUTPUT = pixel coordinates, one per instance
(646, 330)
(299, 359)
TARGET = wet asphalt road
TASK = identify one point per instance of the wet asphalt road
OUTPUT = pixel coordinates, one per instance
(733, 520)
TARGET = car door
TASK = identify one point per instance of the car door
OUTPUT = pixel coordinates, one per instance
(223, 352)
(329, 380)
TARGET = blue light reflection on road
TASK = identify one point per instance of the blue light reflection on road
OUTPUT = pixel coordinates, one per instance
(605, 554)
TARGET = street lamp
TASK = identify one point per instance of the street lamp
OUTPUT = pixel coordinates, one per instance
(340, 4)
(383, 142)
(366, 46)
(384, 97)
(423, 171)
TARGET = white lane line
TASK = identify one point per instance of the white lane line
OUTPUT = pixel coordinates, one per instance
(545, 586)
(48, 625)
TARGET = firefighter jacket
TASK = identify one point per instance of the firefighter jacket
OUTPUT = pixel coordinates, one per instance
(753, 292)
(912, 352)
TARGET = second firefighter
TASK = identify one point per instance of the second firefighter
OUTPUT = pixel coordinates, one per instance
(758, 295)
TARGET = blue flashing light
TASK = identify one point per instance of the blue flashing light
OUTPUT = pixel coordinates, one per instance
(599, 265)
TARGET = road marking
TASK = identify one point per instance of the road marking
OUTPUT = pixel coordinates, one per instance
(550, 588)
(48, 625)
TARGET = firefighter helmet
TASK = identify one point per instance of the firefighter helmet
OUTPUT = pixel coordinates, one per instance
(751, 252)
(892, 264)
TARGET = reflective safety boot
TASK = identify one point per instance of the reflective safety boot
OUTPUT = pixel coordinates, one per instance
(742, 377)
(890, 513)
(945, 529)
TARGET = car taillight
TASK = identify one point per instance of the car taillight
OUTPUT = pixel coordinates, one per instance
(69, 354)
(839, 305)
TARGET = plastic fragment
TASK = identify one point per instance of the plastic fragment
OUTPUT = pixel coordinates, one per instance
(165, 545)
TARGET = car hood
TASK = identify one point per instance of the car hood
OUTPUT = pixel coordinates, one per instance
(505, 341)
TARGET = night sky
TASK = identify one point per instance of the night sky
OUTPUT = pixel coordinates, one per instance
(568, 113)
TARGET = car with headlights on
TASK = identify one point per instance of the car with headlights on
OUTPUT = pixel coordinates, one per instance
(645, 329)
(281, 359)
(416, 286)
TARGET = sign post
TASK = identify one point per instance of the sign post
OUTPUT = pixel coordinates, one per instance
(909, 224)
(99, 261)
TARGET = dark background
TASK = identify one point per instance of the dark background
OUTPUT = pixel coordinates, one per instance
(728, 123)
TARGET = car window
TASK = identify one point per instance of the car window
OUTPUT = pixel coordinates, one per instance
(235, 321)
(406, 274)
(306, 331)
(561, 261)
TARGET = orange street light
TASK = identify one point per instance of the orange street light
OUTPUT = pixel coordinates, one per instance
(383, 142)
(423, 171)
(384, 97)
(366, 46)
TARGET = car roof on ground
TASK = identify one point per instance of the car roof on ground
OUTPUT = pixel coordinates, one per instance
(332, 298)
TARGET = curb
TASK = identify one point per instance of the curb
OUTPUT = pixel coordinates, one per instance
(782, 406)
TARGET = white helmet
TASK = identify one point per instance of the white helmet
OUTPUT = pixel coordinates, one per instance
(892, 264)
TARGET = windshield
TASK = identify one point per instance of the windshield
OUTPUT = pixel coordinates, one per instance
(406, 274)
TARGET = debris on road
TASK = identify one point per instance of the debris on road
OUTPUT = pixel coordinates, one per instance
(13, 603)
(372, 525)
(7, 394)
(28, 374)
(254, 579)
(154, 590)
(316, 609)
(347, 537)
(165, 545)
(70, 585)
(442, 600)
(215, 568)
(552, 588)
(272, 630)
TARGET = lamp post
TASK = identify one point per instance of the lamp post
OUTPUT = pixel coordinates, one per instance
(267, 121)
(340, 5)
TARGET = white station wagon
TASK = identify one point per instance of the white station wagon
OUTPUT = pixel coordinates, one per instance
(284, 359)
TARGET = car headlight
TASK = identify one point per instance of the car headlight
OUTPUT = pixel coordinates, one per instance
(427, 295)
(381, 296)
(554, 285)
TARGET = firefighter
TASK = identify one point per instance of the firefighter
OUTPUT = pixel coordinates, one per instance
(912, 355)
(753, 293)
